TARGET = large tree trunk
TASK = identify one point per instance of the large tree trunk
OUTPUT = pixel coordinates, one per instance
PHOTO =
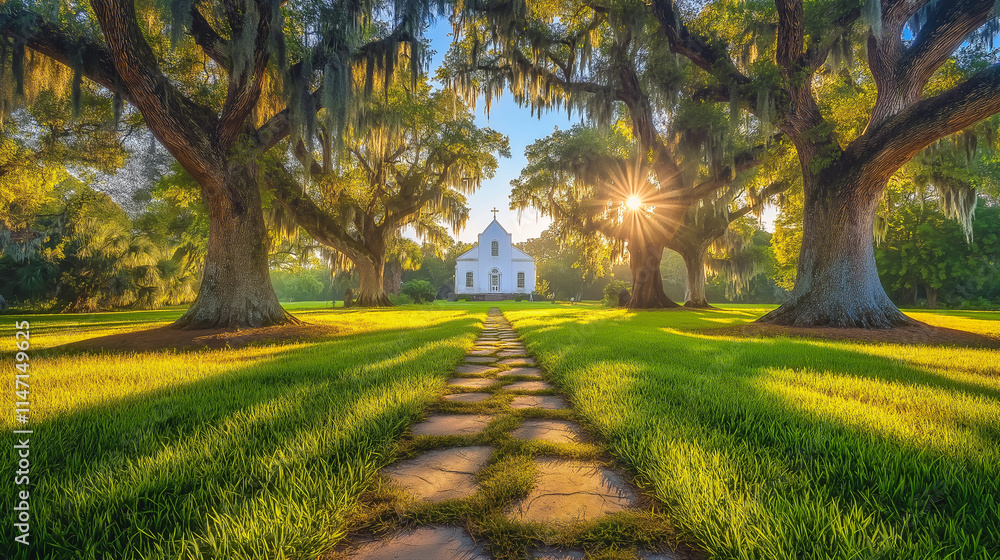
(371, 269)
(647, 285)
(838, 283)
(393, 277)
(236, 287)
(932, 297)
(694, 262)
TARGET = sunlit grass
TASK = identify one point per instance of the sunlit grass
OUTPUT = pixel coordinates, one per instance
(258, 452)
(756, 448)
(791, 447)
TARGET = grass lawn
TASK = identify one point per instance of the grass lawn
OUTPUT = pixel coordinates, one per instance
(779, 448)
(790, 447)
(258, 452)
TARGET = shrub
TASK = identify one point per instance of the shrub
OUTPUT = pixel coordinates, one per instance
(400, 299)
(420, 291)
(978, 304)
(612, 290)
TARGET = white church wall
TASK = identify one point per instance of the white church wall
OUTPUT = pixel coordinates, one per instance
(483, 264)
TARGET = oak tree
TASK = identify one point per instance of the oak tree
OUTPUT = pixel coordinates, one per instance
(220, 85)
(767, 58)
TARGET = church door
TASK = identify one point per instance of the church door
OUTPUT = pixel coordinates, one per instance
(495, 280)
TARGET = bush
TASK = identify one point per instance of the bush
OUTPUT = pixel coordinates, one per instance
(420, 291)
(301, 284)
(518, 298)
(612, 290)
(978, 304)
(400, 299)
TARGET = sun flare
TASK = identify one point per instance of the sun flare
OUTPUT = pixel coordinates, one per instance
(633, 203)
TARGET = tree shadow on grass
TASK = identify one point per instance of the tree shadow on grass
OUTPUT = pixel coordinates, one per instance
(665, 398)
(120, 478)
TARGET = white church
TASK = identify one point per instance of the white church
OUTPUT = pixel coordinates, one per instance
(494, 268)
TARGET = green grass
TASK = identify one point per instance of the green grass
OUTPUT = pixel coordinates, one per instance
(259, 452)
(507, 478)
(752, 448)
(790, 447)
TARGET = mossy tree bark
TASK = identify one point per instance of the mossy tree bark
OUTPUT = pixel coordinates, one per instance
(647, 284)
(694, 263)
(236, 286)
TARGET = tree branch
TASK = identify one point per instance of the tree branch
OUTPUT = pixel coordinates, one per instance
(243, 90)
(206, 37)
(901, 136)
(307, 214)
(279, 126)
(945, 30)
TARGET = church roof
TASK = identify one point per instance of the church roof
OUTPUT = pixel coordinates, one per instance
(498, 225)
(469, 252)
(516, 254)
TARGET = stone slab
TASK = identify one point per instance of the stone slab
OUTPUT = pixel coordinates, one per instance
(553, 431)
(473, 369)
(451, 425)
(467, 397)
(512, 353)
(471, 382)
(528, 386)
(548, 402)
(523, 371)
(556, 554)
(486, 352)
(651, 555)
(480, 359)
(517, 361)
(425, 543)
(443, 474)
(566, 491)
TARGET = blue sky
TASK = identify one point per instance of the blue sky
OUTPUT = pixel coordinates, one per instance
(522, 129)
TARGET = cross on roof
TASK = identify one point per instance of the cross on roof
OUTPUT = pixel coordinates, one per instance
(494, 210)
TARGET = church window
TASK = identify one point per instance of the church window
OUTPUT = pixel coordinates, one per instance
(468, 279)
(495, 249)
(520, 280)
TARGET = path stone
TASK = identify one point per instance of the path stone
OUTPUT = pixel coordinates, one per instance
(443, 474)
(528, 386)
(548, 402)
(480, 359)
(473, 369)
(512, 353)
(649, 555)
(566, 491)
(556, 554)
(471, 382)
(553, 431)
(425, 543)
(451, 425)
(517, 361)
(522, 371)
(467, 397)
(480, 352)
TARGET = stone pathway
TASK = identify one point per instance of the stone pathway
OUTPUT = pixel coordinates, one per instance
(499, 395)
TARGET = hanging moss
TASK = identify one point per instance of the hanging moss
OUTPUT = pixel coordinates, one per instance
(871, 13)
(958, 201)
